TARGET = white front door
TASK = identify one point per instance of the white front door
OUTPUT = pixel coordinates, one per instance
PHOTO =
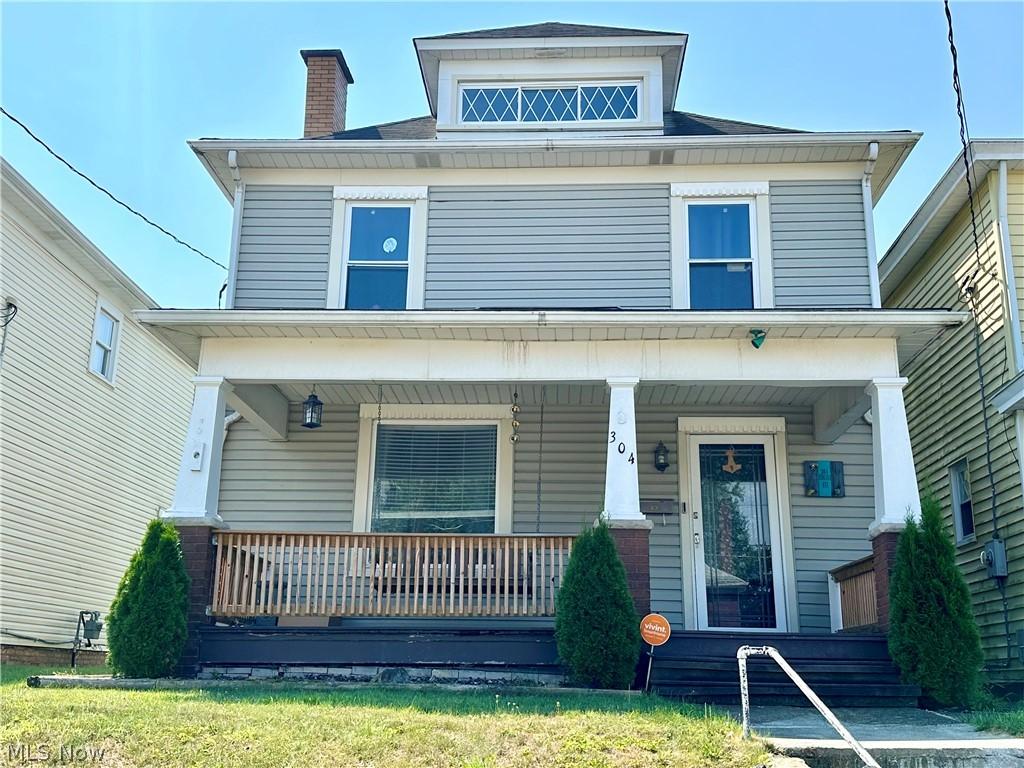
(738, 562)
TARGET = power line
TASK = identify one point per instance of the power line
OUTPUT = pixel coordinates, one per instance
(969, 290)
(105, 191)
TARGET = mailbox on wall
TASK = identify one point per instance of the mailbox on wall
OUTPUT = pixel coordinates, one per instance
(824, 478)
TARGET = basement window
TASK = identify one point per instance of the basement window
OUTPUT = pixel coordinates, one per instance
(963, 509)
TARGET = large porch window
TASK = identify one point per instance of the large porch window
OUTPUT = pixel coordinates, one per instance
(435, 478)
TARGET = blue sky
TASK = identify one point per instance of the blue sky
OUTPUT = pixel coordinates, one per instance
(119, 88)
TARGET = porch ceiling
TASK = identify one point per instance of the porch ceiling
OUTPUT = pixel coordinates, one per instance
(184, 329)
(463, 393)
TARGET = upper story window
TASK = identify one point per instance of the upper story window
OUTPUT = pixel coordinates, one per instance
(377, 263)
(105, 336)
(963, 508)
(720, 254)
(549, 103)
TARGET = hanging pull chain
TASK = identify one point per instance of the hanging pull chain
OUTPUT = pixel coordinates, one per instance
(514, 437)
(380, 400)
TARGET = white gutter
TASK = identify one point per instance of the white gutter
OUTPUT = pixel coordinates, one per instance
(236, 228)
(869, 224)
(553, 143)
(1003, 224)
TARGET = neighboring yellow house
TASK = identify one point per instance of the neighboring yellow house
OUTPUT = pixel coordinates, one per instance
(93, 411)
(927, 267)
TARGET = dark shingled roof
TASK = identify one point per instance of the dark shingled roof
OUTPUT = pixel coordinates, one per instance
(676, 124)
(550, 29)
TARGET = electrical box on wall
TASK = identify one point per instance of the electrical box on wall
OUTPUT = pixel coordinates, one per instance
(824, 478)
(993, 557)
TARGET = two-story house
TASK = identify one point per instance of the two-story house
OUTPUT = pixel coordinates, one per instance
(965, 400)
(93, 410)
(456, 340)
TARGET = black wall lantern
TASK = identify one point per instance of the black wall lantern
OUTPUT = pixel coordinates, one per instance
(661, 457)
(312, 411)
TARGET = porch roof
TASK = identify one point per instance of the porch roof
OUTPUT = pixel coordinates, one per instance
(913, 329)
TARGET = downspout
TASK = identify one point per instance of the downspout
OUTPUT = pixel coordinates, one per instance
(1003, 223)
(236, 228)
(869, 225)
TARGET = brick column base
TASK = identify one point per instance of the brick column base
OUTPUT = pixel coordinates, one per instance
(632, 540)
(883, 547)
(198, 552)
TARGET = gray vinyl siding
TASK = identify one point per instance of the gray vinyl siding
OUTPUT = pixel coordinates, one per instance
(284, 247)
(592, 245)
(819, 244)
(827, 532)
(306, 484)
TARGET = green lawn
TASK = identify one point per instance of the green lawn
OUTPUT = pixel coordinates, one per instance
(1009, 720)
(280, 725)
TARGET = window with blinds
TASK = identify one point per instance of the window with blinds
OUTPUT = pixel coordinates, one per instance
(435, 478)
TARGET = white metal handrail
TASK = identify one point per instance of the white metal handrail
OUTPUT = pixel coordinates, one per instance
(746, 651)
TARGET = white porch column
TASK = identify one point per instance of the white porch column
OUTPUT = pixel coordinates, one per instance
(896, 492)
(621, 485)
(198, 487)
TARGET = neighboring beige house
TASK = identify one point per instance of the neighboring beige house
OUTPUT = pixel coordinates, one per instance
(927, 267)
(93, 411)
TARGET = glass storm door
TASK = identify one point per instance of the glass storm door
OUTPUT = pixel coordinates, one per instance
(737, 548)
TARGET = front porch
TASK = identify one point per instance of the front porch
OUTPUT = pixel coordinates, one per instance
(368, 515)
(454, 464)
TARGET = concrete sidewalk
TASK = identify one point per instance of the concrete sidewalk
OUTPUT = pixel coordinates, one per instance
(894, 737)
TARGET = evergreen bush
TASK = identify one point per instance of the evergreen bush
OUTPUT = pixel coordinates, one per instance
(933, 637)
(146, 626)
(596, 624)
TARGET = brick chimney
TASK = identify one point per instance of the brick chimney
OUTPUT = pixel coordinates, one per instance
(327, 82)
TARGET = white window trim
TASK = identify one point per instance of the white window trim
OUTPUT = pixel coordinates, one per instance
(582, 82)
(773, 427)
(754, 194)
(432, 414)
(957, 522)
(347, 197)
(118, 316)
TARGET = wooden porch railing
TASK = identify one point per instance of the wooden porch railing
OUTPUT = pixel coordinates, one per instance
(387, 574)
(856, 582)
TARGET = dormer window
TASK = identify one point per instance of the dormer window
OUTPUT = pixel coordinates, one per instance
(545, 103)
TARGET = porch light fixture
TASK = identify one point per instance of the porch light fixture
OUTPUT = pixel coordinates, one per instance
(312, 411)
(661, 457)
(757, 337)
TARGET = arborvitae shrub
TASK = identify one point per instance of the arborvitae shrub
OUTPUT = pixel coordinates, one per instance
(933, 637)
(596, 625)
(146, 626)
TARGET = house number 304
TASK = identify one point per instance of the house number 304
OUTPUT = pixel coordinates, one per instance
(621, 448)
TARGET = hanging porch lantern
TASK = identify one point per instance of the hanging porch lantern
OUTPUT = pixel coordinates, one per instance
(312, 411)
(661, 457)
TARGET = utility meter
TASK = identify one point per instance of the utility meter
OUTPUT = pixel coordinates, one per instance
(993, 557)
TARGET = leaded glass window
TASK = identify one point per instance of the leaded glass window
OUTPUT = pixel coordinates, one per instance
(608, 102)
(549, 105)
(553, 104)
(490, 105)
